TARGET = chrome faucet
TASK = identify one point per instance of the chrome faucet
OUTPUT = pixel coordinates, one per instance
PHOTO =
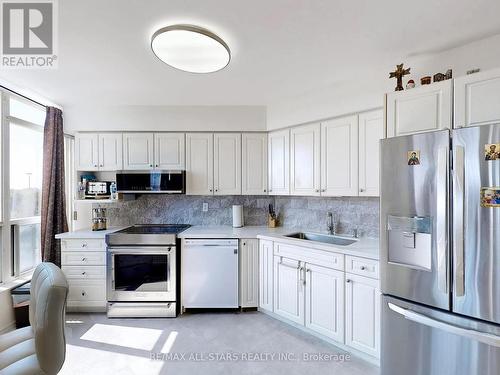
(331, 224)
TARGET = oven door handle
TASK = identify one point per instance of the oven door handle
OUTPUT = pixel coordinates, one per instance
(141, 250)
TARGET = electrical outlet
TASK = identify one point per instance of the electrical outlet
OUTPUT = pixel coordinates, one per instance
(205, 207)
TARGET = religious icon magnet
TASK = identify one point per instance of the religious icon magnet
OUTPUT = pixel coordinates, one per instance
(413, 157)
(490, 196)
(492, 151)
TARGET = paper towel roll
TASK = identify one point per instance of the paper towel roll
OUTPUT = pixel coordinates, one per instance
(238, 216)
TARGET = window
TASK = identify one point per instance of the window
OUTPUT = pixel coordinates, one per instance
(22, 169)
(26, 166)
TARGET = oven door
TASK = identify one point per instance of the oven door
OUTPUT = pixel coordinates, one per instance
(145, 274)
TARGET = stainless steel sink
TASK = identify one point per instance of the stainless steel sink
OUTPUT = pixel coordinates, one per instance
(325, 238)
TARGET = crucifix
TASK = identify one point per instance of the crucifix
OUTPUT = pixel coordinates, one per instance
(398, 74)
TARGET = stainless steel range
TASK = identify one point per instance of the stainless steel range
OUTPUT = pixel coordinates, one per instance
(142, 267)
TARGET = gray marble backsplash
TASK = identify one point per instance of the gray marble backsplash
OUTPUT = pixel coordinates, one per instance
(295, 212)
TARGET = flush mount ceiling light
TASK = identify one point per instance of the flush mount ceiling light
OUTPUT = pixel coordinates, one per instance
(190, 48)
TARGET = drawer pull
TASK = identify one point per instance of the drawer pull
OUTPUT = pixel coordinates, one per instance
(84, 273)
(83, 293)
(84, 259)
(363, 268)
(84, 245)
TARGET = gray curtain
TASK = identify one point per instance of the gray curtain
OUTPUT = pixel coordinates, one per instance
(54, 218)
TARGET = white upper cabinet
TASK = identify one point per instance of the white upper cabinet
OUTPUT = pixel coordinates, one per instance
(279, 162)
(371, 131)
(138, 151)
(170, 151)
(477, 99)
(422, 109)
(227, 163)
(199, 163)
(339, 157)
(87, 152)
(305, 160)
(99, 152)
(110, 152)
(254, 163)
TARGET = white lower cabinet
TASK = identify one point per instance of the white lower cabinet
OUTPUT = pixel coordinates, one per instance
(310, 287)
(324, 294)
(249, 273)
(288, 289)
(266, 275)
(83, 262)
(362, 307)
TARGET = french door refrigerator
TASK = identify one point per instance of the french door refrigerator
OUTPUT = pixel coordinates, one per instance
(440, 253)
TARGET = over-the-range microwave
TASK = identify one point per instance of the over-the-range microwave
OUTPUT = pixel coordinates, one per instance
(145, 182)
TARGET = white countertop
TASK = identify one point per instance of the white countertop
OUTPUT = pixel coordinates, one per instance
(363, 247)
(87, 233)
(227, 231)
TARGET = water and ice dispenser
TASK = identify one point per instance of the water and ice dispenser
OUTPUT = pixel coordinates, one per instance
(410, 241)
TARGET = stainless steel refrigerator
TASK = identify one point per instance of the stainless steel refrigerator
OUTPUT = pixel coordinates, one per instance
(440, 253)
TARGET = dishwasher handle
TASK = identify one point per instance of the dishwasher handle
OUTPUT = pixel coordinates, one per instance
(212, 242)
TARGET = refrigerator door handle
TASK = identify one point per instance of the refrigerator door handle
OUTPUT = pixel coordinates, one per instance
(442, 218)
(483, 337)
(458, 221)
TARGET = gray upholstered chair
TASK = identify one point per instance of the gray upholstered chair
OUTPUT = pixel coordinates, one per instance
(41, 347)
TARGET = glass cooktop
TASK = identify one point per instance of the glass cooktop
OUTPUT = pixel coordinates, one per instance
(155, 229)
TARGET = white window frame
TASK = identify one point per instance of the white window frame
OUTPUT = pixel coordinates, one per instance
(9, 271)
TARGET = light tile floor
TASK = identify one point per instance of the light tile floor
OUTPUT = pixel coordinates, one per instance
(203, 343)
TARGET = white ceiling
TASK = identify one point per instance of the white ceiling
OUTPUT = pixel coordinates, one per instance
(280, 48)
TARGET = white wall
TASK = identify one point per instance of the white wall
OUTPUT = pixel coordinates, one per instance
(366, 91)
(164, 118)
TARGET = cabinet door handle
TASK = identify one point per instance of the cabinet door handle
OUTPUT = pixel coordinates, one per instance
(156, 165)
(317, 190)
(95, 165)
(348, 281)
(264, 190)
(151, 165)
(363, 268)
(362, 190)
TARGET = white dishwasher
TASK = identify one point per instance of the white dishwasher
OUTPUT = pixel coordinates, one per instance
(209, 273)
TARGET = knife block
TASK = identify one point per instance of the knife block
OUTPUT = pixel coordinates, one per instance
(272, 222)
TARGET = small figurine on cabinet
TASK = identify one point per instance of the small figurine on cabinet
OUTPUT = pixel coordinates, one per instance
(410, 84)
(449, 74)
(425, 80)
(438, 77)
(398, 74)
